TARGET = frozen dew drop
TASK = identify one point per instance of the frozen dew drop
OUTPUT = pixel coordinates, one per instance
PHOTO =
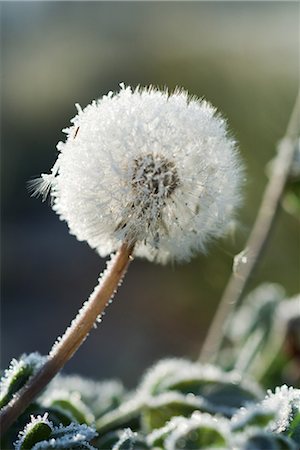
(240, 260)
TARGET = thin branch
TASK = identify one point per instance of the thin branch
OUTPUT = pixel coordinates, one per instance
(74, 336)
(258, 238)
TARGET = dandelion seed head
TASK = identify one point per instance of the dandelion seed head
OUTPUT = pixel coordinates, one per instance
(147, 167)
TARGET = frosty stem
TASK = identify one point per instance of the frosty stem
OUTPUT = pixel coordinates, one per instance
(74, 336)
(258, 237)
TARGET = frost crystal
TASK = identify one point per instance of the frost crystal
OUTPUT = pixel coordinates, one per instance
(286, 402)
(18, 373)
(148, 167)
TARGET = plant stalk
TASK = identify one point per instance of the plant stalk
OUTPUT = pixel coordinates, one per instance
(73, 337)
(258, 238)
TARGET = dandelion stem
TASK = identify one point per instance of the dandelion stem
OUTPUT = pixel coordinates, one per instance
(74, 336)
(258, 238)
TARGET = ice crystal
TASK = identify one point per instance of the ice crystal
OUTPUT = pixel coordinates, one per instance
(127, 436)
(286, 402)
(17, 374)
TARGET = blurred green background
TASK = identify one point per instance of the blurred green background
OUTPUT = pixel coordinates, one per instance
(241, 56)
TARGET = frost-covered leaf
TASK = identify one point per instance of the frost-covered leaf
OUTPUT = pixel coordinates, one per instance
(38, 429)
(72, 437)
(253, 415)
(157, 437)
(127, 415)
(17, 374)
(194, 386)
(162, 408)
(100, 397)
(130, 440)
(201, 431)
(69, 404)
(286, 402)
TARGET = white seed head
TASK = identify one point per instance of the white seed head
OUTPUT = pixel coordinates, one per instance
(148, 167)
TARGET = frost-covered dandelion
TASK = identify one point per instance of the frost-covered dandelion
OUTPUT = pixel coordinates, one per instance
(141, 172)
(147, 168)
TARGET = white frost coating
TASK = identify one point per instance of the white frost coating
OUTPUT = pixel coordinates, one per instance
(245, 414)
(147, 166)
(195, 422)
(29, 427)
(98, 395)
(172, 371)
(72, 436)
(72, 397)
(33, 360)
(159, 433)
(127, 435)
(285, 401)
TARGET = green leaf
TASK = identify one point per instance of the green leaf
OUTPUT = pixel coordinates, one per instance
(252, 416)
(40, 432)
(37, 430)
(67, 406)
(130, 441)
(156, 416)
(201, 438)
(293, 430)
(127, 415)
(218, 393)
(285, 443)
(99, 397)
(201, 431)
(16, 376)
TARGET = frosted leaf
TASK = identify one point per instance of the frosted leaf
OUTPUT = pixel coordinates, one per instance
(130, 440)
(100, 397)
(72, 437)
(156, 437)
(69, 403)
(149, 167)
(286, 402)
(121, 417)
(202, 380)
(158, 410)
(17, 374)
(38, 429)
(253, 415)
(200, 431)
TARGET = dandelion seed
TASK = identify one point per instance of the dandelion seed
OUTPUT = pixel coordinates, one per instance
(146, 167)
